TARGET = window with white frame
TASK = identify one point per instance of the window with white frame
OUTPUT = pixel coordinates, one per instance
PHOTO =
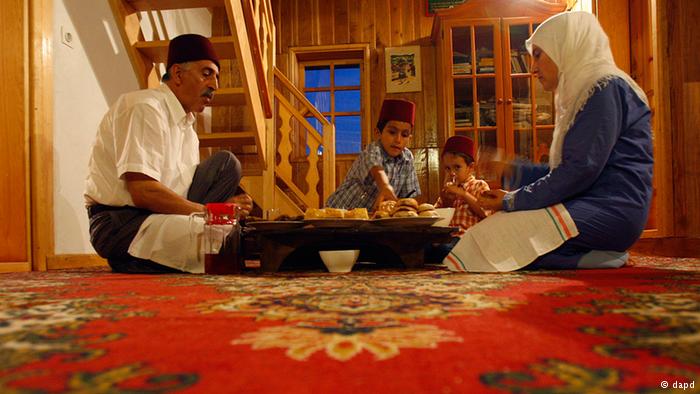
(334, 87)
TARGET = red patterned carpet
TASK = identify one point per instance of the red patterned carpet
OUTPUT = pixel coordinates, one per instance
(426, 331)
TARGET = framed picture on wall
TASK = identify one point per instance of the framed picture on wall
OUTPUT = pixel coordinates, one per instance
(432, 5)
(403, 73)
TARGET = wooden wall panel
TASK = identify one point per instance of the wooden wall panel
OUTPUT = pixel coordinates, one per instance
(683, 40)
(342, 166)
(408, 26)
(14, 221)
(341, 22)
(326, 22)
(395, 13)
(614, 16)
(381, 24)
(366, 16)
(305, 11)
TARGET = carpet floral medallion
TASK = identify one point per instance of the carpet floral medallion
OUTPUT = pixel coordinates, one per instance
(631, 330)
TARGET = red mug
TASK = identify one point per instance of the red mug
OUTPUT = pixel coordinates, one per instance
(222, 213)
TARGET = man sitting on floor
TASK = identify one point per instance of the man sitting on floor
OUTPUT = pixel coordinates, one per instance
(145, 178)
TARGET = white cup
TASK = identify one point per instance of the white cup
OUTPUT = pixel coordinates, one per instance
(339, 260)
(445, 217)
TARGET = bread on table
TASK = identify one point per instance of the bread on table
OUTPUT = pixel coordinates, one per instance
(334, 213)
(405, 214)
(381, 215)
(425, 207)
(357, 213)
(387, 206)
(314, 213)
(407, 202)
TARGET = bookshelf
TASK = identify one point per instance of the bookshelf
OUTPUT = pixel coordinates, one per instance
(485, 88)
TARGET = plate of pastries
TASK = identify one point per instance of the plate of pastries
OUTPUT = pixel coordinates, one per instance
(336, 217)
(405, 212)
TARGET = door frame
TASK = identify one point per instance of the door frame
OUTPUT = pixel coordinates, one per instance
(40, 58)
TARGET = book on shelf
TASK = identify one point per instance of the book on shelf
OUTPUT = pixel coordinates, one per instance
(463, 123)
(462, 68)
(515, 65)
(486, 61)
(525, 62)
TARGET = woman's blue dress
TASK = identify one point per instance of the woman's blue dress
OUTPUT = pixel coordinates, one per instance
(604, 179)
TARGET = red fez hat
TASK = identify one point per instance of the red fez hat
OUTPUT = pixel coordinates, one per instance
(459, 144)
(401, 110)
(190, 47)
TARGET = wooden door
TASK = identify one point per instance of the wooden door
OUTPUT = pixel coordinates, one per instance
(14, 223)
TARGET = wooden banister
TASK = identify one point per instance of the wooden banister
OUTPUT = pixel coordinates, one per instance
(256, 46)
(289, 115)
(306, 104)
(247, 42)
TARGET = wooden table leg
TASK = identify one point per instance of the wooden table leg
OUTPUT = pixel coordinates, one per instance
(273, 254)
(413, 259)
(411, 255)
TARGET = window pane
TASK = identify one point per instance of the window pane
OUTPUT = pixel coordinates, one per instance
(522, 108)
(347, 75)
(317, 76)
(320, 100)
(348, 136)
(486, 95)
(316, 124)
(518, 53)
(523, 144)
(483, 36)
(461, 50)
(544, 140)
(347, 101)
(487, 140)
(464, 106)
(545, 105)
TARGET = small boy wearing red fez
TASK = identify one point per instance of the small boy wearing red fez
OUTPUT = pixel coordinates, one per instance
(384, 170)
(461, 189)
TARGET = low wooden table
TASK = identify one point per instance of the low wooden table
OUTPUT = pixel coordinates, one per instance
(406, 243)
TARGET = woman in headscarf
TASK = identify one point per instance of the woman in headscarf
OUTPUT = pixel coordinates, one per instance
(600, 161)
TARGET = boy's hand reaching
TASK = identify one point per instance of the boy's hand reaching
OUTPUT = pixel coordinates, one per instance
(385, 193)
(492, 199)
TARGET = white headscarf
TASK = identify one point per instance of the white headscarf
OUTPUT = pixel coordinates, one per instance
(579, 47)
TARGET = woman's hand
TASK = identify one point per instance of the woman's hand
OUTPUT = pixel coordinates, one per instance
(244, 202)
(492, 200)
(492, 164)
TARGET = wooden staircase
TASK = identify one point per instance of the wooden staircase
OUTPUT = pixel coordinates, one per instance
(248, 45)
(260, 125)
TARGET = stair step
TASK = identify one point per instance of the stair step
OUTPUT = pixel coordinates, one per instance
(239, 138)
(157, 50)
(229, 96)
(147, 5)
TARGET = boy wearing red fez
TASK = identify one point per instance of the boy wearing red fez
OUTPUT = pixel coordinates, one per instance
(461, 189)
(385, 169)
(145, 178)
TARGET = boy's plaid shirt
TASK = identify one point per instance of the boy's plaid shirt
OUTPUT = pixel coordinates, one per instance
(464, 217)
